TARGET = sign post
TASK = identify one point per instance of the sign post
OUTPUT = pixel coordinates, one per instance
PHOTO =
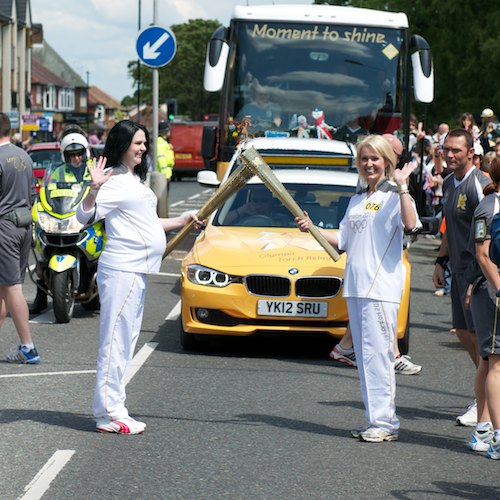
(156, 47)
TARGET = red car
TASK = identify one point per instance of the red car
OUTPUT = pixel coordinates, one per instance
(44, 155)
(186, 138)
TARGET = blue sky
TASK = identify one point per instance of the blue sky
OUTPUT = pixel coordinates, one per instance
(99, 36)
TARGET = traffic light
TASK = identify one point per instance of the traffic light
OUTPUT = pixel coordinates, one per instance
(171, 108)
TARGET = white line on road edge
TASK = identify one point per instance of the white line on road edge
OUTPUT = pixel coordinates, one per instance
(172, 205)
(139, 359)
(18, 375)
(41, 482)
(174, 313)
(170, 275)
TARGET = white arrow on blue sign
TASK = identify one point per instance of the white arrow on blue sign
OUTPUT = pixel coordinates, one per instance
(156, 46)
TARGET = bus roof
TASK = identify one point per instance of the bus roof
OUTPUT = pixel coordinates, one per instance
(321, 14)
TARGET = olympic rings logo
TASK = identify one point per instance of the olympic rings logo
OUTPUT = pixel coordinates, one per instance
(358, 225)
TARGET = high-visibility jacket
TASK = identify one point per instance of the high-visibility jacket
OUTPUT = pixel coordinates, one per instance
(66, 173)
(166, 159)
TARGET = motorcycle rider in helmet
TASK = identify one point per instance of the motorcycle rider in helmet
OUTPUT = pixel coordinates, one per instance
(74, 153)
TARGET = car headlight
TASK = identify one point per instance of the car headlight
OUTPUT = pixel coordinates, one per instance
(201, 275)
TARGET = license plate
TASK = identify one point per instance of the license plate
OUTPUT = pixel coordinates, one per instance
(183, 156)
(294, 308)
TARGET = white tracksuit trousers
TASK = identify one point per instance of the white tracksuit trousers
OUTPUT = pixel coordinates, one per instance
(373, 324)
(122, 297)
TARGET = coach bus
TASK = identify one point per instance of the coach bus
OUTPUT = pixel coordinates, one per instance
(313, 71)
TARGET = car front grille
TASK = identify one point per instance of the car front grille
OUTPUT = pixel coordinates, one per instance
(278, 286)
(270, 286)
(318, 287)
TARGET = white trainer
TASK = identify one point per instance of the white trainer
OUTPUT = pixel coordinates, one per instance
(356, 432)
(126, 425)
(345, 356)
(403, 366)
(480, 441)
(377, 435)
(469, 418)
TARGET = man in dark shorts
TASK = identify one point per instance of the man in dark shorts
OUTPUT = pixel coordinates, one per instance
(462, 193)
(484, 305)
(16, 198)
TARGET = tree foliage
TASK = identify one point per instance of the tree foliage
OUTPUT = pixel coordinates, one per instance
(182, 78)
(464, 41)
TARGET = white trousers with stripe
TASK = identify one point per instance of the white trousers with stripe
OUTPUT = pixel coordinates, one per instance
(122, 297)
(373, 324)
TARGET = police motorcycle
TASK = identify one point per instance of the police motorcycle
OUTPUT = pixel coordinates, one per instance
(66, 251)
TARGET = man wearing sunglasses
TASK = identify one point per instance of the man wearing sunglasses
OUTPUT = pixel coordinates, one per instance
(74, 152)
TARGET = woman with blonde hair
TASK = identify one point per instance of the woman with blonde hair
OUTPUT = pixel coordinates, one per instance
(371, 233)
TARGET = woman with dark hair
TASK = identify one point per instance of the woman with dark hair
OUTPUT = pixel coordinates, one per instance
(134, 247)
(119, 141)
(468, 123)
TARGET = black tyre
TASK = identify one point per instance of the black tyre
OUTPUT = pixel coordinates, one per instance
(63, 296)
(404, 343)
(190, 342)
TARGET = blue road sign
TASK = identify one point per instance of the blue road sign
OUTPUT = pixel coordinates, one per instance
(156, 46)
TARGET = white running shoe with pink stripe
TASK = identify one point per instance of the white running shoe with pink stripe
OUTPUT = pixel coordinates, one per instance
(126, 425)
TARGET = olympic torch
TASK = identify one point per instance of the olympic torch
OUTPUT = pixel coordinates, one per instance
(234, 182)
(256, 164)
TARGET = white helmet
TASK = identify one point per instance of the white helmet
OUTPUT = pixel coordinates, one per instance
(74, 142)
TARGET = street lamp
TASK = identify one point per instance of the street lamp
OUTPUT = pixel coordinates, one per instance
(88, 102)
(139, 72)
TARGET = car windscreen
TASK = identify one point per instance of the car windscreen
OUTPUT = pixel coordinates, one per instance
(299, 79)
(255, 206)
(45, 158)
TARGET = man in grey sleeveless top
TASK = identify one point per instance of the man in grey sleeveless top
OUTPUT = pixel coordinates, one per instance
(16, 199)
(462, 193)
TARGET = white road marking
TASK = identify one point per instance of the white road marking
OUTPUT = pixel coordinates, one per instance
(45, 318)
(174, 313)
(172, 205)
(39, 485)
(41, 482)
(139, 359)
(136, 364)
(194, 196)
(40, 374)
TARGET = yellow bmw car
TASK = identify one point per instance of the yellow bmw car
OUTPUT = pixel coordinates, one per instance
(252, 271)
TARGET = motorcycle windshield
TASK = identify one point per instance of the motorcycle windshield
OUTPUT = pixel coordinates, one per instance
(61, 192)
